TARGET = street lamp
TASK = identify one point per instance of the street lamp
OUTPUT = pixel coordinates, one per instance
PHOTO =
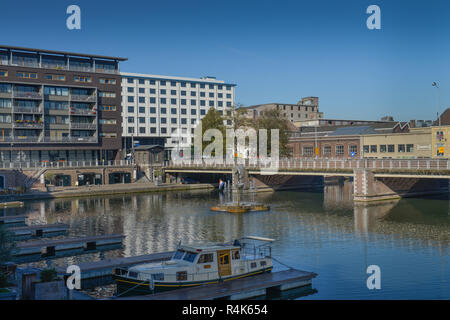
(434, 84)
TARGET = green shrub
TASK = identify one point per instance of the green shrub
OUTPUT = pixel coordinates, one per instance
(49, 275)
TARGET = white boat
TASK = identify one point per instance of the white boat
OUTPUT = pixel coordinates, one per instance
(194, 265)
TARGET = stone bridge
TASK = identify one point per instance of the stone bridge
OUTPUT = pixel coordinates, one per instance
(374, 179)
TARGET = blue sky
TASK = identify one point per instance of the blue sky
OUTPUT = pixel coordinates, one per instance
(275, 51)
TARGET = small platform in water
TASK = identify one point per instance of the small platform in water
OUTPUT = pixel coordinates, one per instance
(245, 288)
(240, 208)
(44, 230)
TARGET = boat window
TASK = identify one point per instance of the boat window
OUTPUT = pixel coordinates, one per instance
(253, 265)
(179, 254)
(190, 256)
(236, 255)
(205, 258)
(263, 263)
(132, 274)
(181, 275)
(157, 276)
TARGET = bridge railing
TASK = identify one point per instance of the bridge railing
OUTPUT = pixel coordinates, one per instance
(321, 163)
(65, 164)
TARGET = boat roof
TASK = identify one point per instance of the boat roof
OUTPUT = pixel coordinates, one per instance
(208, 247)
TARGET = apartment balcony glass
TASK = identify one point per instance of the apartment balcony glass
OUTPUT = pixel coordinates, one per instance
(83, 112)
(27, 95)
(83, 126)
(83, 98)
(20, 109)
(28, 124)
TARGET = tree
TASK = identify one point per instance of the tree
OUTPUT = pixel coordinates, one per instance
(272, 119)
(213, 120)
(7, 244)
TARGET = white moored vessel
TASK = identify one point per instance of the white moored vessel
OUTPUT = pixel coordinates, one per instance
(194, 265)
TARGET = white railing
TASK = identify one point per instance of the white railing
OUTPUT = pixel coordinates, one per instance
(65, 164)
(319, 164)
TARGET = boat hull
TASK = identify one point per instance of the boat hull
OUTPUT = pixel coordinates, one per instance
(131, 287)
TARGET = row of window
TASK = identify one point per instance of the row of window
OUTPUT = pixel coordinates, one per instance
(152, 130)
(183, 84)
(182, 93)
(339, 149)
(172, 111)
(162, 120)
(389, 148)
(183, 102)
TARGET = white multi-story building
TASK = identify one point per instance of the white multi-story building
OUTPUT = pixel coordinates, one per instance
(154, 106)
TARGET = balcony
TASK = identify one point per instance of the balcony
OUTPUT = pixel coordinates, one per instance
(17, 109)
(28, 125)
(27, 95)
(83, 126)
(83, 98)
(40, 139)
(83, 112)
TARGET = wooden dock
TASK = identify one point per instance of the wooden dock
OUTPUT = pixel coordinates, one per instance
(13, 220)
(39, 231)
(99, 273)
(48, 248)
(245, 288)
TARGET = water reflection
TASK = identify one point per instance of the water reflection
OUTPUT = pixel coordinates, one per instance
(321, 232)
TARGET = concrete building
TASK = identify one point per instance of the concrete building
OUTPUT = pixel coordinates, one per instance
(306, 109)
(414, 144)
(338, 141)
(154, 106)
(58, 106)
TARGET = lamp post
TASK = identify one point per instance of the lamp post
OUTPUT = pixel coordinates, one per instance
(434, 84)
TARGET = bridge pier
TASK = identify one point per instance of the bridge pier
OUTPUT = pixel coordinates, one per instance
(367, 188)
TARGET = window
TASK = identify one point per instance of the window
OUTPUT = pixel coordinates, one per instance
(228, 87)
(152, 130)
(141, 129)
(163, 91)
(82, 79)
(236, 255)
(183, 84)
(131, 109)
(130, 80)
(183, 111)
(56, 77)
(193, 102)
(339, 150)
(173, 83)
(141, 99)
(107, 108)
(219, 103)
(173, 101)
(130, 119)
(163, 100)
(158, 276)
(141, 120)
(163, 110)
(211, 86)
(164, 120)
(141, 90)
(382, 148)
(141, 109)
(409, 148)
(107, 121)
(56, 91)
(390, 148)
(110, 135)
(152, 120)
(163, 130)
(141, 81)
(152, 82)
(153, 110)
(190, 256)
(105, 94)
(183, 93)
(193, 94)
(353, 148)
(183, 102)
(193, 112)
(211, 94)
(202, 94)
(181, 275)
(202, 103)
(173, 120)
(373, 148)
(327, 150)
(162, 83)
(253, 265)
(307, 151)
(211, 103)
(183, 121)
(193, 85)
(401, 148)
(202, 85)
(228, 96)
(179, 254)
(107, 81)
(173, 110)
(228, 104)
(27, 75)
(3, 73)
(262, 263)
(206, 258)
(152, 100)
(130, 99)
(202, 112)
(152, 91)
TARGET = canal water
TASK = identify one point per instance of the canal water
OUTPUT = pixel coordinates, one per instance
(322, 232)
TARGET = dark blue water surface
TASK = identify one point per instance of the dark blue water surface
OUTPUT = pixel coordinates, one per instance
(323, 232)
